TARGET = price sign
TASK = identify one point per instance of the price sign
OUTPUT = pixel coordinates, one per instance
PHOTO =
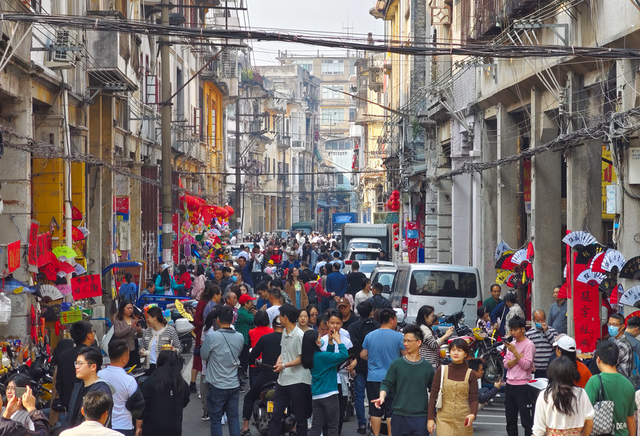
(13, 256)
(86, 287)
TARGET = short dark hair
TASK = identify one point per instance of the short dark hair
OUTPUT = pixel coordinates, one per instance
(225, 314)
(79, 331)
(334, 312)
(322, 317)
(275, 293)
(262, 286)
(95, 404)
(92, 356)
(377, 287)
(277, 283)
(415, 330)
(618, 317)
(475, 364)
(608, 353)
(290, 311)
(634, 321)
(117, 348)
(261, 318)
(364, 309)
(460, 344)
(387, 315)
(226, 269)
(355, 264)
(336, 266)
(364, 282)
(510, 298)
(495, 285)
(517, 323)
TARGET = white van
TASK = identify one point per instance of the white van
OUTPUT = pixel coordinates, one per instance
(439, 285)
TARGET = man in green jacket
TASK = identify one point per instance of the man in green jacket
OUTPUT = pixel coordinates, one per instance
(493, 301)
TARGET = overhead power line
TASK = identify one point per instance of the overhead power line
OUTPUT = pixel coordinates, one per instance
(424, 49)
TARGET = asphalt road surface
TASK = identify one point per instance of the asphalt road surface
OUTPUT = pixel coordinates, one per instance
(490, 420)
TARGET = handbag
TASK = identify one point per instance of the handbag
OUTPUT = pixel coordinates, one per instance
(603, 423)
(443, 369)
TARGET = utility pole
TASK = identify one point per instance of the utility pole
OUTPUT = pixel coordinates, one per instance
(238, 209)
(167, 215)
(313, 180)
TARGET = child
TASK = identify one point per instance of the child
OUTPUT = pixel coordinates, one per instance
(484, 320)
(484, 394)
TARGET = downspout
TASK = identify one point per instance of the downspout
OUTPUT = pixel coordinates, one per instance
(67, 163)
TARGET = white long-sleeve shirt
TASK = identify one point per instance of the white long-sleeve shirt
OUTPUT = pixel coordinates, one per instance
(547, 416)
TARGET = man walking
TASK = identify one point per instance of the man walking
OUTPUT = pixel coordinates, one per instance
(380, 348)
(336, 284)
(83, 334)
(355, 279)
(125, 387)
(558, 311)
(626, 358)
(96, 407)
(410, 378)
(543, 338)
(293, 388)
(221, 349)
(378, 301)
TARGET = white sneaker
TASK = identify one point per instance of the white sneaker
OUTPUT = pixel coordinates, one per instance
(224, 419)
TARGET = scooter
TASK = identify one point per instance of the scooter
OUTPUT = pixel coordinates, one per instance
(263, 409)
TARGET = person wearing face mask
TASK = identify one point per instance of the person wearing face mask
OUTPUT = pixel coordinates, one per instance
(626, 359)
(430, 347)
(543, 336)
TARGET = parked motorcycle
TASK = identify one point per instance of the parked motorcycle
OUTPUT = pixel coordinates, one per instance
(183, 326)
(263, 409)
(461, 331)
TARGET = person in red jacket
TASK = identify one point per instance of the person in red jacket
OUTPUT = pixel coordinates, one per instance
(185, 278)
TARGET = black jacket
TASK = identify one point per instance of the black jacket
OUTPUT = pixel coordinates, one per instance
(135, 404)
(13, 428)
(66, 376)
(379, 302)
(163, 411)
(357, 332)
(73, 420)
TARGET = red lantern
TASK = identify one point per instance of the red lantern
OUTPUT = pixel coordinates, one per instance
(224, 213)
(229, 209)
(395, 225)
(220, 211)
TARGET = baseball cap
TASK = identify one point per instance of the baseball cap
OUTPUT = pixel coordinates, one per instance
(245, 297)
(565, 342)
(244, 254)
(343, 302)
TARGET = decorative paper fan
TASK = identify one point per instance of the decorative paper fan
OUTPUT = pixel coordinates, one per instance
(505, 262)
(607, 285)
(631, 269)
(590, 277)
(615, 295)
(596, 262)
(183, 312)
(501, 249)
(631, 296)
(585, 254)
(514, 280)
(51, 292)
(564, 272)
(583, 239)
(75, 214)
(519, 257)
(502, 276)
(613, 261)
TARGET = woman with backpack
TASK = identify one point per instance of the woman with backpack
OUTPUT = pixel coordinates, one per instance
(315, 292)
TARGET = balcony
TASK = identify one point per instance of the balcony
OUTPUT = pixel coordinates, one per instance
(299, 145)
(284, 142)
(375, 79)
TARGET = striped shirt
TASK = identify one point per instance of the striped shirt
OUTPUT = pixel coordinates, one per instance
(430, 348)
(544, 346)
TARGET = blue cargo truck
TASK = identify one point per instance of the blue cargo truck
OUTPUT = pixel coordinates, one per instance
(340, 218)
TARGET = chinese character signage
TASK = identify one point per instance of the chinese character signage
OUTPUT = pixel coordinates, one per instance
(13, 256)
(386, 218)
(586, 312)
(33, 243)
(86, 287)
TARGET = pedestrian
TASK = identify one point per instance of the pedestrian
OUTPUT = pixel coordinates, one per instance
(96, 409)
(484, 394)
(336, 284)
(276, 300)
(324, 257)
(158, 337)
(626, 359)
(166, 394)
(518, 361)
(21, 415)
(566, 346)
(313, 312)
(262, 292)
(430, 344)
(291, 261)
(267, 348)
(612, 386)
(357, 332)
(543, 336)
(245, 322)
(364, 294)
(410, 378)
(184, 279)
(305, 273)
(379, 349)
(348, 317)
(303, 320)
(127, 327)
(459, 387)
(199, 283)
(257, 264)
(378, 301)
(221, 349)
(558, 311)
(294, 288)
(198, 321)
(355, 278)
(563, 408)
(11, 427)
(125, 390)
(494, 300)
(502, 313)
(293, 388)
(324, 386)
(244, 269)
(219, 279)
(87, 363)
(128, 290)
(166, 283)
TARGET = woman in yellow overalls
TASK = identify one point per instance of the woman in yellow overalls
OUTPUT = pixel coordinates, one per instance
(458, 386)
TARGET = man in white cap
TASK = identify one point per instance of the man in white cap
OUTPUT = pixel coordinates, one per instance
(566, 346)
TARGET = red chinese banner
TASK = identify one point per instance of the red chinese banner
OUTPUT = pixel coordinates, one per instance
(33, 243)
(86, 287)
(13, 256)
(586, 312)
(44, 254)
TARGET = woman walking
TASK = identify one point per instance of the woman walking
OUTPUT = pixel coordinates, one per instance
(126, 327)
(563, 409)
(430, 348)
(295, 289)
(324, 381)
(198, 283)
(158, 337)
(459, 387)
(198, 322)
(166, 283)
(166, 394)
(303, 320)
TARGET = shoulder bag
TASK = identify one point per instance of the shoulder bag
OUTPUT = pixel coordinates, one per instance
(603, 423)
(443, 369)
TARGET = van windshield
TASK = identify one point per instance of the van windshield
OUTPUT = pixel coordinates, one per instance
(374, 245)
(364, 256)
(443, 284)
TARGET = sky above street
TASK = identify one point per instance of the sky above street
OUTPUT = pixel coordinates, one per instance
(309, 18)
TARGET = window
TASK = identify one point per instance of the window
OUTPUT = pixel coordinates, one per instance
(352, 115)
(307, 65)
(359, 256)
(332, 116)
(335, 66)
(443, 284)
(347, 145)
(331, 92)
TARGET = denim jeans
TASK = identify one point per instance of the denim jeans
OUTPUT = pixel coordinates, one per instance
(221, 401)
(360, 386)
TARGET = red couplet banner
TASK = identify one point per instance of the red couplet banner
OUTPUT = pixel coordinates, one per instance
(586, 312)
(13, 256)
(33, 243)
(86, 287)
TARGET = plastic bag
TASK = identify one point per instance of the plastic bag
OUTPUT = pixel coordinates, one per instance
(5, 309)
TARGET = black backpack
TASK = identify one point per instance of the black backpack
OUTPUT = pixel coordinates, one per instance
(312, 295)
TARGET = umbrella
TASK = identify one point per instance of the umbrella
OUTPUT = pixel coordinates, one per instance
(505, 262)
(50, 291)
(631, 296)
(501, 249)
(590, 277)
(65, 251)
(579, 239)
(631, 269)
